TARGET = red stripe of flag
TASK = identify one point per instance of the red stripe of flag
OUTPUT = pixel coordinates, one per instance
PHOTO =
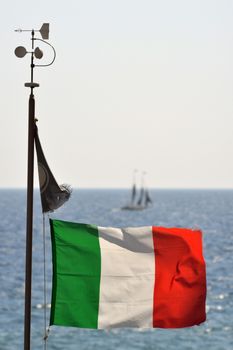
(180, 278)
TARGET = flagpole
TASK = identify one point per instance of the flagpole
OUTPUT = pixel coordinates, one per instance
(29, 230)
(29, 227)
(21, 52)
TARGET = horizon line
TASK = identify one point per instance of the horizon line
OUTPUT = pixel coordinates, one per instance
(127, 188)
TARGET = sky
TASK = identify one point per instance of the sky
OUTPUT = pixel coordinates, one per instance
(137, 84)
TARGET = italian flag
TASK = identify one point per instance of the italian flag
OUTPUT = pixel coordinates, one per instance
(142, 277)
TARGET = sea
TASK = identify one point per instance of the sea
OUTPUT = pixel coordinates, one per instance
(209, 210)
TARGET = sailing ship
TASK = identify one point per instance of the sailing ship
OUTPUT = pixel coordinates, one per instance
(140, 202)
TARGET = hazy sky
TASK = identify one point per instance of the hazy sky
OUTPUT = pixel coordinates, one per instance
(140, 84)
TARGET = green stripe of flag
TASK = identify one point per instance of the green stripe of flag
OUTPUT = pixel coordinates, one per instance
(75, 301)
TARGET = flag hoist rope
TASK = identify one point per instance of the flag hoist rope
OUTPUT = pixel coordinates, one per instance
(46, 329)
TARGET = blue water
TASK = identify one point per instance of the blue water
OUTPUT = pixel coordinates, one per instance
(210, 210)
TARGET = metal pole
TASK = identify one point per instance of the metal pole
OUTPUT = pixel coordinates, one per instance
(29, 230)
(28, 265)
(21, 52)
